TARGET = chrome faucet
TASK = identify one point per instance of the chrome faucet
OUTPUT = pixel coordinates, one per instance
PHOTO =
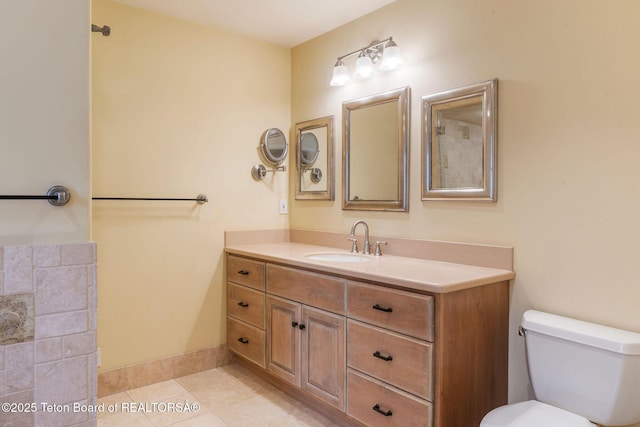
(352, 236)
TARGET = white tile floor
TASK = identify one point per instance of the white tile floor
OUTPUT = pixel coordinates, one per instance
(226, 396)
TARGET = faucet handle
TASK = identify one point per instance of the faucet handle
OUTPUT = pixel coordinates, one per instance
(378, 250)
(354, 247)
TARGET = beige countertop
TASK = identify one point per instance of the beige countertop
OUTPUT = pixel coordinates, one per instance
(412, 273)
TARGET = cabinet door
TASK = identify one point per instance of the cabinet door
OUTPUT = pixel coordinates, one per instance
(323, 356)
(283, 339)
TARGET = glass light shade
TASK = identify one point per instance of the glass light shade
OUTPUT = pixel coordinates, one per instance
(391, 58)
(340, 74)
(364, 67)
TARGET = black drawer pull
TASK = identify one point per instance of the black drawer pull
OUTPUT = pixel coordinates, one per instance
(294, 324)
(376, 408)
(302, 326)
(243, 304)
(243, 341)
(243, 272)
(388, 358)
(388, 309)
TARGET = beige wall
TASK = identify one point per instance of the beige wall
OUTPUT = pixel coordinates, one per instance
(170, 119)
(178, 110)
(44, 119)
(568, 193)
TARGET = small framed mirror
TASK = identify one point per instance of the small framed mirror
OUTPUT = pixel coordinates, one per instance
(375, 152)
(315, 159)
(459, 143)
(274, 146)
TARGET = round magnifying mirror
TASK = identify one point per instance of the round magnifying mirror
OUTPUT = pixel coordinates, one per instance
(308, 148)
(274, 146)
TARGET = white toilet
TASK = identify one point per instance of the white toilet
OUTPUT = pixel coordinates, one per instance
(581, 373)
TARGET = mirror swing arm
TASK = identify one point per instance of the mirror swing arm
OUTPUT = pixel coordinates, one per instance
(259, 171)
(273, 149)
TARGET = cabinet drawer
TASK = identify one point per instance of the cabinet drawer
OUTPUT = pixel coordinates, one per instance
(246, 304)
(377, 404)
(246, 272)
(246, 340)
(398, 360)
(401, 311)
(316, 290)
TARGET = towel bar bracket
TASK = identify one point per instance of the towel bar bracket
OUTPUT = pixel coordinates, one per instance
(60, 195)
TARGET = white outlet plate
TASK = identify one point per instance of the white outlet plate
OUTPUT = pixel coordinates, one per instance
(284, 209)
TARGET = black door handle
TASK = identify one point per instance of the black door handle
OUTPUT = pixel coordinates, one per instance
(243, 272)
(243, 304)
(243, 341)
(388, 309)
(388, 358)
(376, 408)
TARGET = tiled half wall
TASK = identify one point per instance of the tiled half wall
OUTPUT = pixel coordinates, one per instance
(50, 365)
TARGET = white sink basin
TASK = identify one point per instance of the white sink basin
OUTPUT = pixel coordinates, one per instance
(337, 257)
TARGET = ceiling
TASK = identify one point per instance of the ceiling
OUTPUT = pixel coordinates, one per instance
(282, 22)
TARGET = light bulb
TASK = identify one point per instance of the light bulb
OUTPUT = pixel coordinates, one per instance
(340, 74)
(364, 66)
(391, 58)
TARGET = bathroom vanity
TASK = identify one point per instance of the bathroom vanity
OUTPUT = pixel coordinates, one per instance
(377, 341)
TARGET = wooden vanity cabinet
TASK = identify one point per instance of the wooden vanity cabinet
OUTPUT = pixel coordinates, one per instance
(370, 354)
(245, 308)
(305, 344)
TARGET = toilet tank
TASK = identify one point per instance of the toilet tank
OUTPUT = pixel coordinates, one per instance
(585, 368)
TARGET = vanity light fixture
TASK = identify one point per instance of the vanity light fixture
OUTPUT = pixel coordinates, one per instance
(386, 50)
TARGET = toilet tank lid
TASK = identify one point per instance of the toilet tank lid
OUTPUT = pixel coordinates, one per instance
(591, 334)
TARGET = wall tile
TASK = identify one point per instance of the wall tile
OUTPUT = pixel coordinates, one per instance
(60, 365)
(2, 390)
(46, 256)
(79, 344)
(78, 254)
(111, 382)
(189, 363)
(18, 367)
(16, 318)
(60, 289)
(93, 378)
(55, 325)
(62, 381)
(18, 419)
(149, 373)
(18, 270)
(48, 349)
(61, 419)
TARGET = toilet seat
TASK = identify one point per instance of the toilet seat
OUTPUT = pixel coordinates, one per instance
(533, 414)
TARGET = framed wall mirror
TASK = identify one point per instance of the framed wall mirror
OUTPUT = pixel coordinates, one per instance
(315, 159)
(375, 152)
(459, 143)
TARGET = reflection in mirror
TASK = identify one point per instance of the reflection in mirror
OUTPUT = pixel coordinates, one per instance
(314, 142)
(375, 152)
(308, 148)
(274, 146)
(459, 143)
